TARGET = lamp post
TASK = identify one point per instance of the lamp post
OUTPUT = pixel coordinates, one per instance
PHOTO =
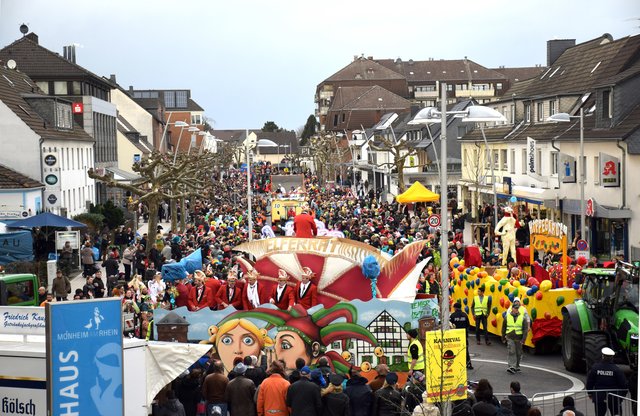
(431, 115)
(563, 118)
(166, 126)
(249, 146)
(175, 153)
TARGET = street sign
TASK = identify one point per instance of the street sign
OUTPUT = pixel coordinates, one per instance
(581, 253)
(52, 199)
(582, 245)
(434, 220)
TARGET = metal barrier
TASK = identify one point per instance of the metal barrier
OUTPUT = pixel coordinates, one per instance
(550, 403)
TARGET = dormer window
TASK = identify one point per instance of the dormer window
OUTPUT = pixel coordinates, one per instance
(64, 118)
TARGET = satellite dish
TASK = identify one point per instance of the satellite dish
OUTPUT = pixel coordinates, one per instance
(11, 64)
(24, 29)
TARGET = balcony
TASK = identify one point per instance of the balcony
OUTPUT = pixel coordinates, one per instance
(426, 94)
(476, 93)
(323, 110)
(326, 95)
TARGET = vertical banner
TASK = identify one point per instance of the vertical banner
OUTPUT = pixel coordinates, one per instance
(84, 358)
(447, 365)
(609, 171)
(531, 157)
(567, 168)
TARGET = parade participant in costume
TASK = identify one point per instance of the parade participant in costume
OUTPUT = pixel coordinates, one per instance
(305, 336)
(199, 295)
(237, 338)
(306, 293)
(282, 295)
(304, 224)
(254, 293)
(229, 293)
(506, 228)
(214, 286)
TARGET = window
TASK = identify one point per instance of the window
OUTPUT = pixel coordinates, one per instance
(461, 87)
(343, 117)
(60, 88)
(503, 159)
(462, 130)
(20, 292)
(524, 161)
(499, 85)
(539, 161)
(606, 104)
(552, 107)
(481, 87)
(496, 160)
(540, 111)
(505, 114)
(196, 118)
(63, 116)
(596, 168)
(512, 114)
(554, 163)
(76, 88)
(527, 113)
(513, 161)
(170, 99)
(449, 87)
(181, 99)
(487, 159)
(44, 86)
(335, 120)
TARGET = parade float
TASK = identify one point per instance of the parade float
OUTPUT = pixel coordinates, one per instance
(543, 295)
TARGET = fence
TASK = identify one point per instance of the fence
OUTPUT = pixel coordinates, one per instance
(550, 403)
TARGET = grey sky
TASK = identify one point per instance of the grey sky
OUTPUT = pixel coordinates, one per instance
(250, 61)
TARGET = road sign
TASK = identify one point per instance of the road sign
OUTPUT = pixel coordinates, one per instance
(582, 245)
(434, 220)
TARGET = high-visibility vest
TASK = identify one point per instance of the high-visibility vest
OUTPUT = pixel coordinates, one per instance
(515, 325)
(420, 361)
(480, 307)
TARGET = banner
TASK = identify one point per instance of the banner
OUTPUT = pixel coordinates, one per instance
(22, 320)
(567, 168)
(16, 246)
(531, 157)
(84, 358)
(447, 365)
(609, 171)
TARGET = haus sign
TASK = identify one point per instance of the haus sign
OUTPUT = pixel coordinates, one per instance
(609, 171)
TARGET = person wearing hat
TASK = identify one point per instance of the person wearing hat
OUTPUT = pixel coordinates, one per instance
(514, 332)
(254, 293)
(414, 390)
(303, 397)
(199, 295)
(460, 320)
(360, 395)
(282, 294)
(605, 377)
(415, 352)
(388, 401)
(240, 393)
(304, 225)
(306, 293)
(334, 401)
(229, 293)
(481, 307)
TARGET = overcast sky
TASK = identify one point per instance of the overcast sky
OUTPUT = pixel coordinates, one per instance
(250, 61)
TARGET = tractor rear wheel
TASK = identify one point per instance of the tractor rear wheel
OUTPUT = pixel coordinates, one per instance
(572, 349)
(593, 345)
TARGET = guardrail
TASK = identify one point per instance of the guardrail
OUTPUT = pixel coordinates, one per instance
(550, 403)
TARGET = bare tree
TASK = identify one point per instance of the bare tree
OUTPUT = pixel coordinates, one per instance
(399, 150)
(326, 153)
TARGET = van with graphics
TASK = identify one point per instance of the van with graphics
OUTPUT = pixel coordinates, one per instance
(19, 290)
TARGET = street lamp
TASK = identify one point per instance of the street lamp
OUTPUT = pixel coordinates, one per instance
(175, 153)
(564, 118)
(249, 146)
(166, 126)
(431, 115)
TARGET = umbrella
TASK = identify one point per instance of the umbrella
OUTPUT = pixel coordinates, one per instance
(46, 219)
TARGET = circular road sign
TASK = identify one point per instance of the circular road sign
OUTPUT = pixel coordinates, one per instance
(52, 199)
(434, 220)
(50, 160)
(582, 245)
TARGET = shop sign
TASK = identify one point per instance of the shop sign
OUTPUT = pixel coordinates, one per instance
(531, 157)
(567, 168)
(609, 171)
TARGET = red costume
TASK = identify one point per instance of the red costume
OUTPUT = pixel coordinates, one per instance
(183, 294)
(263, 296)
(214, 285)
(304, 226)
(286, 299)
(308, 298)
(199, 298)
(234, 299)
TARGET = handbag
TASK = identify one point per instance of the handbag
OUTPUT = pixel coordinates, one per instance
(201, 408)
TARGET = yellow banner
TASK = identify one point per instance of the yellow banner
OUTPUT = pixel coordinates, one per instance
(446, 371)
(279, 208)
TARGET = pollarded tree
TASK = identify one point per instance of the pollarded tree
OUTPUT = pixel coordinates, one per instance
(399, 150)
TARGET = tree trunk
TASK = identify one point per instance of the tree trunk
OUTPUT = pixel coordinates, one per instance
(183, 214)
(400, 169)
(152, 229)
(174, 211)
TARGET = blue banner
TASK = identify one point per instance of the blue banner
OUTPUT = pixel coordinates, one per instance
(16, 246)
(85, 358)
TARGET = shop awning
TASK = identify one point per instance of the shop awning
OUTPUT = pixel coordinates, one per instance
(572, 206)
(122, 175)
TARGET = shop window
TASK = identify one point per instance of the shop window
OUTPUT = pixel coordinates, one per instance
(554, 163)
(513, 161)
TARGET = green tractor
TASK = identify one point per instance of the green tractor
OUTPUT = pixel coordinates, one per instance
(606, 316)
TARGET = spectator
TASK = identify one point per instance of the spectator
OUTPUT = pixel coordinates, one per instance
(272, 394)
(214, 387)
(240, 393)
(303, 396)
(520, 403)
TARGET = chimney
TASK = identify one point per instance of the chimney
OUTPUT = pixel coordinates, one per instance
(556, 47)
(69, 53)
(33, 37)
(112, 78)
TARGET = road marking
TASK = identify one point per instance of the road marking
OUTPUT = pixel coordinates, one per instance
(576, 383)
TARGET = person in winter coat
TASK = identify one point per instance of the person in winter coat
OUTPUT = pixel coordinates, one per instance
(272, 394)
(128, 257)
(86, 256)
(387, 400)
(520, 403)
(569, 404)
(359, 393)
(334, 401)
(61, 286)
(172, 407)
(487, 404)
(303, 396)
(111, 265)
(240, 393)
(413, 390)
